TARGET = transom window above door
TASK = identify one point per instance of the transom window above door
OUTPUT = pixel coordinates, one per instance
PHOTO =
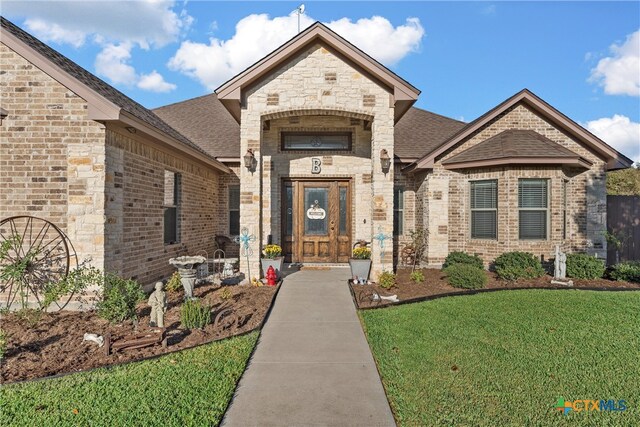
(316, 141)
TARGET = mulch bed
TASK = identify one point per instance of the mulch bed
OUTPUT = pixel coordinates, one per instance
(54, 345)
(436, 285)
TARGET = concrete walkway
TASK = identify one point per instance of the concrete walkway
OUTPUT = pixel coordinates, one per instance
(312, 365)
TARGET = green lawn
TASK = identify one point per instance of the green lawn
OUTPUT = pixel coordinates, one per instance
(504, 358)
(192, 387)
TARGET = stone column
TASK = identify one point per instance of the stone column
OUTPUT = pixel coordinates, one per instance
(382, 188)
(436, 217)
(250, 191)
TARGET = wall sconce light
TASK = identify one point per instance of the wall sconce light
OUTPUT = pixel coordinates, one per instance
(130, 129)
(385, 161)
(250, 160)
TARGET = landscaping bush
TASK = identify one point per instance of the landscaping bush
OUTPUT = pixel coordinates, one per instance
(194, 314)
(387, 280)
(518, 265)
(225, 294)
(76, 282)
(457, 257)
(628, 271)
(583, 266)
(119, 299)
(417, 276)
(174, 284)
(466, 276)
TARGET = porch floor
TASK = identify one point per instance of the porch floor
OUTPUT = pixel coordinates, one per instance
(312, 364)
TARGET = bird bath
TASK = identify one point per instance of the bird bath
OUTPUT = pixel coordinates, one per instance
(187, 267)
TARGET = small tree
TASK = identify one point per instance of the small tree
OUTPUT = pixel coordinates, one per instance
(419, 244)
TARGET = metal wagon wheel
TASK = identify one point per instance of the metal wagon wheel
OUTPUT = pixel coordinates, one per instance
(34, 252)
(225, 319)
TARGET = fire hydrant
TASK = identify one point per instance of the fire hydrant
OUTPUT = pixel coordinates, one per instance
(271, 276)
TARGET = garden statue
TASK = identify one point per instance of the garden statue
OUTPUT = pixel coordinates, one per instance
(560, 269)
(158, 303)
(95, 338)
(227, 271)
(560, 264)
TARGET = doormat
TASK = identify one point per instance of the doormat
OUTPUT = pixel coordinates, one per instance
(315, 267)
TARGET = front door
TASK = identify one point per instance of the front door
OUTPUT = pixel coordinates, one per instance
(316, 221)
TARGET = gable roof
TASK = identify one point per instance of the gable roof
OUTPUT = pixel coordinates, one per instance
(206, 122)
(615, 160)
(515, 146)
(105, 101)
(403, 93)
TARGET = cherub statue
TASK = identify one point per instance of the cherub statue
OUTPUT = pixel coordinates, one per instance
(158, 303)
(560, 264)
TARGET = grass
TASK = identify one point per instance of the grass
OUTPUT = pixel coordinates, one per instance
(192, 387)
(504, 358)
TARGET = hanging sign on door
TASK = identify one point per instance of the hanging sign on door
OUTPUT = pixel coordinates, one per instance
(316, 212)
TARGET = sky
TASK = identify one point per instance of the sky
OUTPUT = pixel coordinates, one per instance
(466, 57)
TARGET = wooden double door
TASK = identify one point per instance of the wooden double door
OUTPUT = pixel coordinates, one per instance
(316, 221)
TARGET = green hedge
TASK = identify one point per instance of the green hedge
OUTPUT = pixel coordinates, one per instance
(518, 265)
(583, 266)
(466, 276)
(458, 257)
(628, 271)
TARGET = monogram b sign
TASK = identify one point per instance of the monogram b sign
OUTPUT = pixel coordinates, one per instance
(315, 165)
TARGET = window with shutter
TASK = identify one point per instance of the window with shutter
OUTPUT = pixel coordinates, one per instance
(484, 209)
(533, 205)
(398, 211)
(234, 210)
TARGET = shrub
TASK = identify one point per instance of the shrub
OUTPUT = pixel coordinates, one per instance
(387, 280)
(518, 265)
(76, 282)
(583, 266)
(362, 253)
(628, 271)
(462, 258)
(119, 299)
(174, 284)
(272, 251)
(417, 276)
(466, 276)
(194, 314)
(3, 343)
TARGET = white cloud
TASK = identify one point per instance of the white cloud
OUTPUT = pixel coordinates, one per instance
(154, 82)
(257, 35)
(52, 32)
(619, 74)
(619, 132)
(145, 23)
(113, 63)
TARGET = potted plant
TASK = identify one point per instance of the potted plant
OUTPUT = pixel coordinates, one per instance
(272, 256)
(360, 263)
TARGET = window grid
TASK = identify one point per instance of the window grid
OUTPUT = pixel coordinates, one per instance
(398, 211)
(234, 210)
(171, 206)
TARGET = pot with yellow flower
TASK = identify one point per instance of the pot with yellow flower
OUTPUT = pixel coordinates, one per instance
(360, 263)
(272, 257)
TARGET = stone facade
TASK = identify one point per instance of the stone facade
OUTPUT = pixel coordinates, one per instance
(323, 91)
(448, 221)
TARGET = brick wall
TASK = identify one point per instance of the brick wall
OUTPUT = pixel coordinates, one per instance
(51, 155)
(586, 198)
(135, 214)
